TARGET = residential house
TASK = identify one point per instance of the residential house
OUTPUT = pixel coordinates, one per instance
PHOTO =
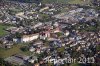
(38, 50)
(32, 59)
(66, 33)
(31, 49)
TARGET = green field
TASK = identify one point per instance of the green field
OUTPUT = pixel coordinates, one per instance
(79, 1)
(75, 1)
(4, 53)
(8, 52)
(2, 31)
(66, 1)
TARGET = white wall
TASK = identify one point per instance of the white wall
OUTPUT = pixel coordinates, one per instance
(29, 38)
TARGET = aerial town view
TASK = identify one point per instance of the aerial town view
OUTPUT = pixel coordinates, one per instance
(49, 32)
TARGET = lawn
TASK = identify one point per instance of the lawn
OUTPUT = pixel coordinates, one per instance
(2, 31)
(8, 52)
(61, 49)
(75, 1)
(79, 2)
(98, 48)
(4, 53)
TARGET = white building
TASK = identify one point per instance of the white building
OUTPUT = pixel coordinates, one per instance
(27, 38)
(31, 49)
(33, 59)
(66, 33)
(38, 24)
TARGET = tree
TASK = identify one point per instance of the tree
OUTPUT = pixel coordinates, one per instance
(18, 35)
(24, 49)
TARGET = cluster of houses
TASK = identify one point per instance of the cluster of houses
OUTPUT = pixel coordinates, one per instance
(96, 2)
(11, 12)
(16, 12)
(55, 41)
(52, 36)
(17, 59)
(78, 15)
(43, 32)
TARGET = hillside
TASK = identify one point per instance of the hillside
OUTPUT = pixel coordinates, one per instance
(57, 1)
